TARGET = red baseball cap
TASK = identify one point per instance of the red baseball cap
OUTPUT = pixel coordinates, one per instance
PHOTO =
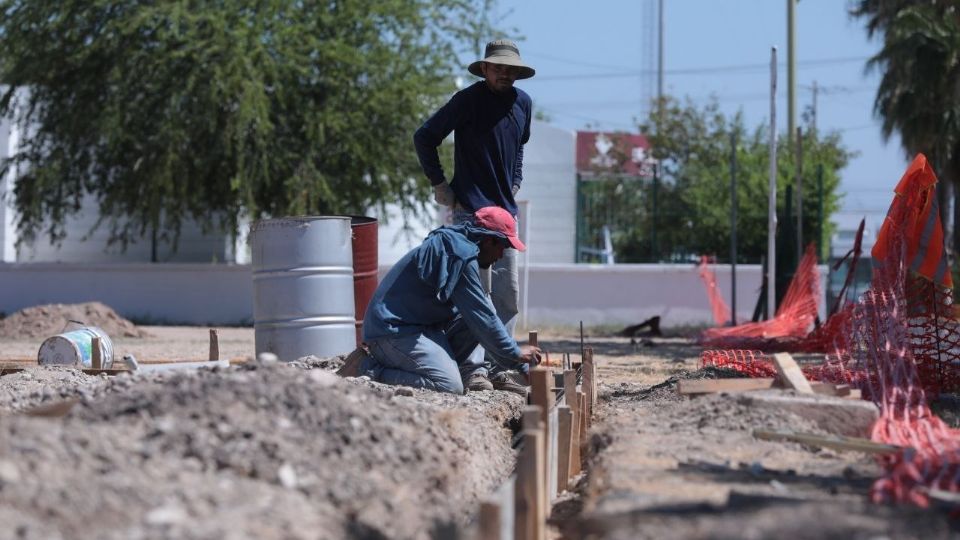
(500, 221)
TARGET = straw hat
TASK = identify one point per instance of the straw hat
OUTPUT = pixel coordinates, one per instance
(504, 52)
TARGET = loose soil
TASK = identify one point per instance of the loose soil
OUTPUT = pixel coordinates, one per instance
(257, 451)
(51, 319)
(289, 450)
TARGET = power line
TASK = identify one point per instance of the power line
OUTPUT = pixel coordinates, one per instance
(740, 69)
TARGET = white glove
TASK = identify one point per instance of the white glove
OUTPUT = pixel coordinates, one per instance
(515, 189)
(443, 194)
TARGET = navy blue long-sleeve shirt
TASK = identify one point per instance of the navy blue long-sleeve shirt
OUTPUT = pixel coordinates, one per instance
(490, 130)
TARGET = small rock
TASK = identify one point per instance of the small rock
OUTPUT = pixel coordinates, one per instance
(169, 514)
(355, 422)
(9, 473)
(322, 377)
(403, 391)
(287, 476)
(267, 358)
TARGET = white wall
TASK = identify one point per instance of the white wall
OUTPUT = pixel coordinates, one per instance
(560, 294)
(171, 293)
(8, 141)
(550, 187)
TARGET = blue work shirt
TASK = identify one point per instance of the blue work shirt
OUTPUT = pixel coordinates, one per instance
(430, 285)
(489, 133)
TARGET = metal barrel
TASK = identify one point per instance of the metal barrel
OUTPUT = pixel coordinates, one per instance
(303, 286)
(75, 348)
(364, 266)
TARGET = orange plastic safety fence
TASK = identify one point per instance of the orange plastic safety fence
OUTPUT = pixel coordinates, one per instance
(793, 320)
(899, 343)
(719, 308)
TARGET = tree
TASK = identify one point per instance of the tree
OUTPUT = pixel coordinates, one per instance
(166, 111)
(693, 145)
(919, 92)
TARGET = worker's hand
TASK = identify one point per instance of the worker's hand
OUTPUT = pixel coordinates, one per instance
(515, 189)
(443, 194)
(530, 354)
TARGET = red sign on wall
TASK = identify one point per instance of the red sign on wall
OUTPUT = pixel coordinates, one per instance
(600, 152)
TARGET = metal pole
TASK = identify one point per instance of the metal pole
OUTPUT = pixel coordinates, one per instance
(814, 123)
(654, 255)
(772, 188)
(820, 246)
(660, 57)
(791, 66)
(799, 189)
(733, 229)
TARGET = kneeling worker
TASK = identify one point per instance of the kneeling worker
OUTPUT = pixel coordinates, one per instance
(430, 321)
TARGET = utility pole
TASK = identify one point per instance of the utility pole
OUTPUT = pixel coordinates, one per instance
(799, 187)
(815, 90)
(660, 61)
(772, 193)
(791, 68)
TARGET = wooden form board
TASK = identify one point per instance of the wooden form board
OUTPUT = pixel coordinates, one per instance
(836, 442)
(710, 386)
(791, 374)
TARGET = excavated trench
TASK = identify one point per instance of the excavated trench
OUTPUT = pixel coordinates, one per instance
(252, 451)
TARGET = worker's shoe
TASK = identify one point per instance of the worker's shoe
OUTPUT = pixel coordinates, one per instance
(478, 382)
(507, 381)
(351, 366)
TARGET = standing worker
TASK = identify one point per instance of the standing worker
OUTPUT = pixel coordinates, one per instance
(430, 315)
(491, 122)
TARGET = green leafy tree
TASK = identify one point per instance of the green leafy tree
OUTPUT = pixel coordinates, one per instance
(175, 110)
(693, 145)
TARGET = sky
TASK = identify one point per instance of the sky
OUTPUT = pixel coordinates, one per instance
(596, 67)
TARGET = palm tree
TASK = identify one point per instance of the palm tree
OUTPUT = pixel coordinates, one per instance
(919, 92)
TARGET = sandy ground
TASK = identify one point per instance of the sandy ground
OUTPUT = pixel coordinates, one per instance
(164, 343)
(666, 466)
(268, 451)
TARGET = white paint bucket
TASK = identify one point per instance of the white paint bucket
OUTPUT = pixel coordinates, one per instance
(75, 348)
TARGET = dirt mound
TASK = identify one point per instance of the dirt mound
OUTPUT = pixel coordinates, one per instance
(51, 319)
(252, 452)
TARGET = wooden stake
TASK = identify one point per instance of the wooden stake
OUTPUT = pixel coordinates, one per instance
(589, 382)
(530, 506)
(532, 339)
(564, 446)
(96, 355)
(489, 521)
(214, 345)
(541, 390)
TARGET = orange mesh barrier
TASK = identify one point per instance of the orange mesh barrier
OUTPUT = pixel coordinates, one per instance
(899, 343)
(719, 308)
(793, 319)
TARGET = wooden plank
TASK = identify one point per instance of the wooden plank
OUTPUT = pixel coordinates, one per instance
(531, 418)
(564, 446)
(711, 386)
(791, 374)
(590, 379)
(836, 442)
(541, 394)
(489, 521)
(584, 419)
(96, 361)
(553, 443)
(529, 504)
(214, 345)
(532, 339)
(855, 393)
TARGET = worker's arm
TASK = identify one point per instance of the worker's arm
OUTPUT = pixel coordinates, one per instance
(428, 138)
(479, 315)
(524, 137)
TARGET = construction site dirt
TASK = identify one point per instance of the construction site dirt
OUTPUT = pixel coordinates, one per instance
(290, 450)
